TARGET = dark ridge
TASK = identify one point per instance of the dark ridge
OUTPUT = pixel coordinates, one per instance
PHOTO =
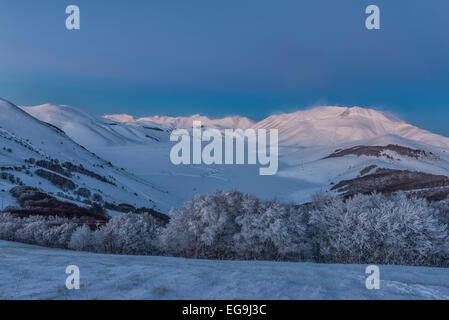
(154, 128)
(389, 180)
(54, 127)
(367, 169)
(376, 151)
(57, 180)
(433, 194)
(127, 208)
(53, 166)
(33, 201)
(153, 138)
(80, 169)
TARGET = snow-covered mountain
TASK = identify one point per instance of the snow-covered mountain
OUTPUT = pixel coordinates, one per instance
(321, 126)
(326, 126)
(40, 154)
(90, 130)
(316, 151)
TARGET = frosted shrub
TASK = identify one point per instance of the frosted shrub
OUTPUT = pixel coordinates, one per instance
(128, 234)
(442, 211)
(8, 227)
(204, 227)
(232, 226)
(378, 229)
(266, 233)
(125, 234)
(63, 234)
(44, 231)
(82, 239)
(33, 231)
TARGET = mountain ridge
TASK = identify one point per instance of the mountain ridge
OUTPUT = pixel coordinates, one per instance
(181, 122)
(324, 125)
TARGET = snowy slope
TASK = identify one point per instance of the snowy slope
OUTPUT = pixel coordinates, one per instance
(89, 130)
(31, 272)
(23, 137)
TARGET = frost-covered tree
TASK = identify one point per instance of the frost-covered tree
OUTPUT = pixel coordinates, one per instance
(233, 226)
(82, 239)
(128, 234)
(378, 229)
(45, 231)
(8, 227)
(442, 211)
(33, 231)
(204, 227)
(264, 231)
(63, 234)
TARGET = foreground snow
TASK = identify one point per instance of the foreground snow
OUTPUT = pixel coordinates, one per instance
(31, 272)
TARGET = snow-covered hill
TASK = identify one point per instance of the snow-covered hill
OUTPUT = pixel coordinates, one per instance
(332, 126)
(89, 130)
(31, 272)
(307, 139)
(40, 154)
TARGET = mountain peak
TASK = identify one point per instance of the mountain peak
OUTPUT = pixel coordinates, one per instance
(368, 113)
(331, 125)
(120, 117)
(326, 112)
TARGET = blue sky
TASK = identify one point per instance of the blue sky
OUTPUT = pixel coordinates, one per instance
(217, 57)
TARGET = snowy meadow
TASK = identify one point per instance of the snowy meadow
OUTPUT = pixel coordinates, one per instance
(151, 277)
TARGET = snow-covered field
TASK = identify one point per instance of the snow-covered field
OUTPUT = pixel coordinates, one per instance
(31, 272)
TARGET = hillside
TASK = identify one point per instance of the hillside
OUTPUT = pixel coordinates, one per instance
(89, 130)
(40, 154)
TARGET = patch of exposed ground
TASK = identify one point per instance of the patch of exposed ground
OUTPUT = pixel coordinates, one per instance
(389, 180)
(367, 169)
(378, 151)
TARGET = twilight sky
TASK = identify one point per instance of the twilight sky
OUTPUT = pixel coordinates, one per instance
(217, 57)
